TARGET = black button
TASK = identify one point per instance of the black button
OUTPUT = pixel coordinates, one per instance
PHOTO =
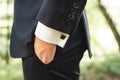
(76, 5)
(74, 11)
(71, 16)
(62, 37)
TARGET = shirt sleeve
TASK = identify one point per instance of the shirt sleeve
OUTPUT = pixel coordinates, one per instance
(51, 35)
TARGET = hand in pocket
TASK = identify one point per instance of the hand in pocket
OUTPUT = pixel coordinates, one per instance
(44, 51)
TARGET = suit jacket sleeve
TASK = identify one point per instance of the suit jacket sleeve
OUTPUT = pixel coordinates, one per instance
(62, 15)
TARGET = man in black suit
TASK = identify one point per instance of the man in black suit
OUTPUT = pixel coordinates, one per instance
(50, 36)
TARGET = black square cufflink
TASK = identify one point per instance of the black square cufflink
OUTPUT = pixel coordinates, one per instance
(62, 37)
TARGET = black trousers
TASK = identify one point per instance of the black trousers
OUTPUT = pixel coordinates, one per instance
(65, 65)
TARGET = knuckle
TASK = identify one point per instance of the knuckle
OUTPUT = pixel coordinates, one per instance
(46, 61)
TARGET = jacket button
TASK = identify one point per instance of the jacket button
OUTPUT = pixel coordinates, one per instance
(74, 11)
(71, 16)
(76, 5)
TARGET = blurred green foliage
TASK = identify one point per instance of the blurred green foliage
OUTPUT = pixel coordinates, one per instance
(12, 71)
(109, 69)
(112, 65)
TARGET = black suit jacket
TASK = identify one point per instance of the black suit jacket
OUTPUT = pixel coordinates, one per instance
(62, 15)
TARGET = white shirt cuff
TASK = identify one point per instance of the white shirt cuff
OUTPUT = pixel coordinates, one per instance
(51, 35)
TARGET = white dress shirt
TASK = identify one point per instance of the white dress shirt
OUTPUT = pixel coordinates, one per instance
(51, 35)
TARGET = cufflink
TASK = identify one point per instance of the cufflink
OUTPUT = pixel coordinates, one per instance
(62, 37)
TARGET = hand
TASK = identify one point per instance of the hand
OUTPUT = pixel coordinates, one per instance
(44, 51)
